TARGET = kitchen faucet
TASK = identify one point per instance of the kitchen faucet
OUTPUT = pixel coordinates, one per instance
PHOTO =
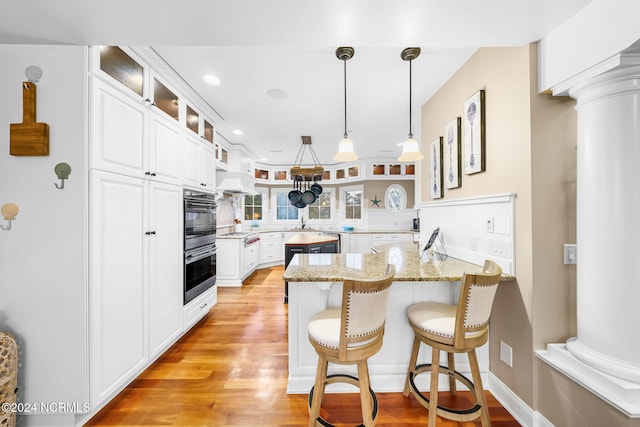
(302, 222)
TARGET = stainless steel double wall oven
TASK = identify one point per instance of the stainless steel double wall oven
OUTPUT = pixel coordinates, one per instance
(199, 243)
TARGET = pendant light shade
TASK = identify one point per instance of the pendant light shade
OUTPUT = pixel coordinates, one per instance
(345, 152)
(410, 148)
(410, 151)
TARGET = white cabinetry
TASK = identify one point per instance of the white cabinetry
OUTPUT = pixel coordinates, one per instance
(199, 307)
(229, 261)
(165, 267)
(164, 154)
(235, 261)
(118, 126)
(384, 238)
(271, 249)
(199, 164)
(118, 339)
(130, 139)
(136, 277)
(250, 256)
(359, 243)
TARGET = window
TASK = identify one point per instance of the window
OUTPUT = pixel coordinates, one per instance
(284, 209)
(253, 207)
(321, 208)
(353, 203)
(395, 198)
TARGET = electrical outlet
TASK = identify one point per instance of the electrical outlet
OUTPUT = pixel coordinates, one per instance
(489, 225)
(506, 353)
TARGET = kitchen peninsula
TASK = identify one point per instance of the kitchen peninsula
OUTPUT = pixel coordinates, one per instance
(303, 243)
(316, 284)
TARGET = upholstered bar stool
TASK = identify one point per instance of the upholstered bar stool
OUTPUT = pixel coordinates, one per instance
(349, 335)
(454, 329)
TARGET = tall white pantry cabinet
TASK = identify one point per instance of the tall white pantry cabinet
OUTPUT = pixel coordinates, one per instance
(141, 155)
(105, 297)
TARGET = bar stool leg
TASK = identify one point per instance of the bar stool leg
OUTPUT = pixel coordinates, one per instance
(412, 364)
(318, 391)
(477, 383)
(433, 387)
(452, 366)
(365, 396)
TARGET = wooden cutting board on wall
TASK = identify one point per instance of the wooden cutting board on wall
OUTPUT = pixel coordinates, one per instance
(29, 138)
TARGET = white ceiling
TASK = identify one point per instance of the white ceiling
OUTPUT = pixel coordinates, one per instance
(257, 45)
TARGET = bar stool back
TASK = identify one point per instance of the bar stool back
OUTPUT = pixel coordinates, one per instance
(349, 335)
(454, 329)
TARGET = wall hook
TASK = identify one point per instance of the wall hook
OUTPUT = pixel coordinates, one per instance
(62, 171)
(9, 212)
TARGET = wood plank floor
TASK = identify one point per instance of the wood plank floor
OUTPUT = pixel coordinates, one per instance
(231, 370)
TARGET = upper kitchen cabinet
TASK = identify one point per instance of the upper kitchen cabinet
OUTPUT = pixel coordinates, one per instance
(386, 170)
(198, 164)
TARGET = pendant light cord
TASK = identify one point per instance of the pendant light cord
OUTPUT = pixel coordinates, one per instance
(345, 98)
(410, 133)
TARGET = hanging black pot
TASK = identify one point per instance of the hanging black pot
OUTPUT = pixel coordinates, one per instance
(308, 197)
(295, 196)
(299, 204)
(317, 189)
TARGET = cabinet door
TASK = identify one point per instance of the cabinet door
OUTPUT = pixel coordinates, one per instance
(330, 247)
(208, 168)
(164, 159)
(360, 243)
(166, 261)
(191, 162)
(228, 260)
(117, 134)
(290, 251)
(116, 288)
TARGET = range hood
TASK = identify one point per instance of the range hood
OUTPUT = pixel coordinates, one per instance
(235, 183)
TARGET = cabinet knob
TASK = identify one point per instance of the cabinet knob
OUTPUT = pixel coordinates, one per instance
(149, 233)
(153, 174)
(147, 173)
(149, 102)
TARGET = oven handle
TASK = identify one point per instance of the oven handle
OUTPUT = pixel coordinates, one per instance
(197, 256)
(199, 204)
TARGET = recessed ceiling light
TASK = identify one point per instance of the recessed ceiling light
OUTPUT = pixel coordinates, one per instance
(276, 94)
(237, 132)
(211, 79)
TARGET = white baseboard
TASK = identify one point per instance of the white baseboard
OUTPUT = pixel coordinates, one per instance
(510, 401)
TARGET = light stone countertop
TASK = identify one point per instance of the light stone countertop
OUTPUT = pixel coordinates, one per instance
(404, 256)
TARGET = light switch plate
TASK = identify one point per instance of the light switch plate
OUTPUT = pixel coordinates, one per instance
(570, 253)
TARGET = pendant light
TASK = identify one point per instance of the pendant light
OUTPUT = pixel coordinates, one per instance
(345, 148)
(410, 148)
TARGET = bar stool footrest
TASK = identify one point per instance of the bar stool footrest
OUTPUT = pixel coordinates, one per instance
(349, 379)
(468, 414)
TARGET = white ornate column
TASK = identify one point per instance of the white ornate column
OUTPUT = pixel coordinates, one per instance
(608, 222)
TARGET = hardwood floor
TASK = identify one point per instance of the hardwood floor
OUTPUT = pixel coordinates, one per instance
(231, 370)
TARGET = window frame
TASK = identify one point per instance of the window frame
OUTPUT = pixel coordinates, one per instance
(265, 194)
(386, 197)
(274, 205)
(332, 209)
(343, 203)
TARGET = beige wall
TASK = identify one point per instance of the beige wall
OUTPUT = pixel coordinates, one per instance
(529, 143)
(565, 403)
(377, 189)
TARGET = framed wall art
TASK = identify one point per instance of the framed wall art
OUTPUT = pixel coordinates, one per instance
(435, 149)
(474, 138)
(452, 161)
